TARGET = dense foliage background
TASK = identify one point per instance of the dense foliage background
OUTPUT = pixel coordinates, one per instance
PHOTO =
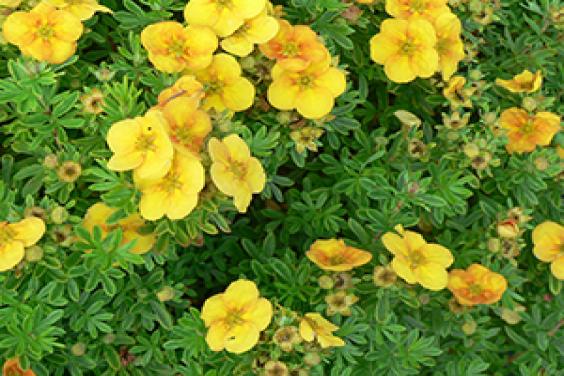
(71, 313)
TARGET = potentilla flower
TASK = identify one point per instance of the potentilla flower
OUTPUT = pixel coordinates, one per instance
(286, 338)
(295, 47)
(14, 237)
(305, 138)
(340, 302)
(224, 87)
(44, 33)
(314, 326)
(131, 226)
(82, 9)
(187, 126)
(457, 94)
(12, 367)
(186, 86)
(524, 82)
(406, 48)
(335, 255)
(311, 91)
(476, 285)
(223, 16)
(141, 144)
(175, 48)
(428, 9)
(417, 261)
(234, 171)
(174, 195)
(257, 30)
(526, 131)
(93, 101)
(449, 44)
(236, 317)
(548, 241)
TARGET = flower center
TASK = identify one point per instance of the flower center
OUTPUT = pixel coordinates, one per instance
(214, 87)
(408, 47)
(171, 183)
(305, 82)
(475, 289)
(418, 6)
(234, 318)
(176, 48)
(6, 234)
(336, 259)
(145, 142)
(416, 258)
(45, 32)
(291, 49)
(528, 127)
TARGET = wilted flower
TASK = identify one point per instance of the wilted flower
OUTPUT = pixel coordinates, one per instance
(14, 237)
(286, 338)
(417, 261)
(455, 121)
(406, 48)
(526, 131)
(384, 276)
(457, 94)
(69, 171)
(524, 82)
(93, 101)
(305, 138)
(335, 255)
(82, 9)
(340, 302)
(234, 171)
(314, 326)
(275, 368)
(548, 240)
(236, 317)
(476, 285)
(98, 215)
(508, 229)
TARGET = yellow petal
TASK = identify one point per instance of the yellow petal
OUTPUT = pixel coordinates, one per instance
(242, 198)
(241, 293)
(239, 95)
(432, 276)
(153, 204)
(182, 205)
(306, 331)
(19, 28)
(398, 69)
(425, 63)
(438, 254)
(328, 340)
(255, 177)
(10, 255)
(548, 230)
(314, 103)
(334, 80)
(282, 93)
(414, 240)
(260, 314)
(262, 29)
(28, 231)
(67, 27)
(394, 243)
(218, 151)
(248, 8)
(242, 338)
(214, 310)
(237, 148)
(402, 268)
(217, 336)
(557, 268)
(238, 45)
(382, 48)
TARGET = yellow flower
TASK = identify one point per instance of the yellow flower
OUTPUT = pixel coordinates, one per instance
(526, 131)
(14, 237)
(428, 9)
(44, 33)
(236, 317)
(313, 326)
(449, 45)
(406, 48)
(98, 214)
(224, 86)
(82, 9)
(548, 240)
(186, 125)
(417, 261)
(93, 101)
(175, 48)
(175, 194)
(311, 91)
(10, 3)
(141, 144)
(457, 94)
(186, 86)
(256, 30)
(234, 171)
(12, 367)
(224, 17)
(476, 285)
(524, 82)
(305, 138)
(336, 256)
(295, 47)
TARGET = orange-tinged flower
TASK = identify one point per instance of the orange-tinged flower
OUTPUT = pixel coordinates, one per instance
(14, 237)
(335, 255)
(526, 131)
(314, 326)
(12, 367)
(548, 240)
(186, 86)
(524, 82)
(223, 16)
(98, 214)
(186, 125)
(406, 48)
(82, 9)
(449, 45)
(476, 285)
(175, 48)
(236, 317)
(174, 195)
(311, 91)
(428, 9)
(224, 86)
(234, 171)
(417, 261)
(295, 47)
(256, 30)
(141, 144)
(44, 33)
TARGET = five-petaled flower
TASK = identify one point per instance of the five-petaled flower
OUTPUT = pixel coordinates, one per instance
(526, 131)
(417, 261)
(334, 255)
(314, 326)
(15, 237)
(476, 285)
(548, 240)
(524, 82)
(236, 317)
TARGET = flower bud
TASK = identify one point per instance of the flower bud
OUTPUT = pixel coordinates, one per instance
(529, 104)
(312, 359)
(471, 150)
(78, 349)
(469, 327)
(541, 163)
(326, 282)
(50, 161)
(508, 229)
(494, 245)
(59, 215)
(166, 294)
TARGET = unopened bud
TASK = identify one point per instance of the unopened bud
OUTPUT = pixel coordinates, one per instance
(166, 294)
(529, 104)
(312, 359)
(50, 161)
(326, 282)
(59, 215)
(471, 150)
(78, 349)
(469, 327)
(494, 245)
(541, 163)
